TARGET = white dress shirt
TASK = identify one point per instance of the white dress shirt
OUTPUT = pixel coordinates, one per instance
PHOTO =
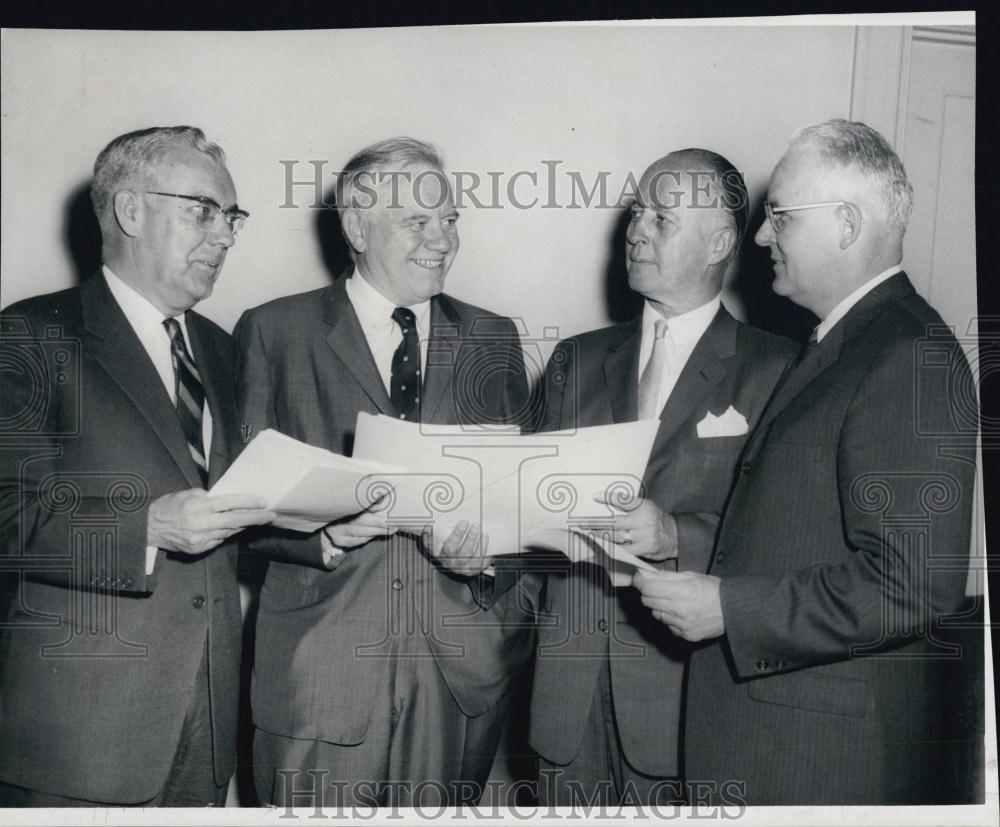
(842, 309)
(147, 322)
(374, 312)
(685, 332)
(383, 335)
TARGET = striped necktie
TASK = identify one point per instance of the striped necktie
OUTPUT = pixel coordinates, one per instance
(190, 396)
(652, 374)
(404, 390)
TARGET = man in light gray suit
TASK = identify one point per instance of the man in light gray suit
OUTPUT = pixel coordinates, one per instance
(382, 661)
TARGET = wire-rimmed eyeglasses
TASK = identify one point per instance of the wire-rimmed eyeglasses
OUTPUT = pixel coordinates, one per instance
(774, 214)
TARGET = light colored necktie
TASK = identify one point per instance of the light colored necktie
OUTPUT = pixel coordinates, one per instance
(652, 374)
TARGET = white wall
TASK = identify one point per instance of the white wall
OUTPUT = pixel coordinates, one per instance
(596, 97)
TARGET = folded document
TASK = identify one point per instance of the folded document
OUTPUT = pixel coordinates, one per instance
(307, 487)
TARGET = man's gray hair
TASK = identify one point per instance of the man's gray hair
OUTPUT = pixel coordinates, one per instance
(859, 148)
(364, 167)
(129, 156)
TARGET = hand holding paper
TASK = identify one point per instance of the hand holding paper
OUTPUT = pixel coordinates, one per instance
(463, 552)
(639, 525)
(351, 532)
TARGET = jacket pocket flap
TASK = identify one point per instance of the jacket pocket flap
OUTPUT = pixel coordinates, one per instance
(831, 694)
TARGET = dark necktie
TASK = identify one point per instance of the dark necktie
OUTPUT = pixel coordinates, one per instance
(190, 395)
(404, 387)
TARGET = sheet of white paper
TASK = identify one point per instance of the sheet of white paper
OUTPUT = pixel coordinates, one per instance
(306, 486)
(526, 490)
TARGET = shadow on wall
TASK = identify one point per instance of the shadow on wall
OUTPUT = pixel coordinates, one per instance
(622, 302)
(334, 247)
(82, 233)
(752, 280)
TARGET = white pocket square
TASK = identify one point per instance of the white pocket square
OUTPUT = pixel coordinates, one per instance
(731, 423)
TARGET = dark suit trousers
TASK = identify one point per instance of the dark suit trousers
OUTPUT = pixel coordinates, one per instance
(600, 772)
(191, 780)
(420, 748)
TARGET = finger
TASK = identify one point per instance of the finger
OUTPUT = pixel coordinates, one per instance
(234, 520)
(457, 537)
(619, 502)
(659, 584)
(368, 518)
(232, 502)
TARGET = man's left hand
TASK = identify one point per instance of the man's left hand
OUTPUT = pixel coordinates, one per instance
(685, 602)
(639, 526)
(464, 551)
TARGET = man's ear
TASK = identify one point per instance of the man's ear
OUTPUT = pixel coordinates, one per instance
(128, 209)
(851, 222)
(354, 230)
(722, 243)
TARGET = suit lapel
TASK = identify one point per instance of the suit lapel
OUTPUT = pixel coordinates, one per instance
(442, 356)
(348, 341)
(703, 370)
(826, 353)
(213, 371)
(119, 352)
(621, 367)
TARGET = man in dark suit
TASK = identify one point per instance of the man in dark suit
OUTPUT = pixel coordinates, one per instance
(824, 678)
(382, 662)
(606, 698)
(119, 657)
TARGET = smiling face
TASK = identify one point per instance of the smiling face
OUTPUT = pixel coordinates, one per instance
(179, 262)
(409, 238)
(671, 243)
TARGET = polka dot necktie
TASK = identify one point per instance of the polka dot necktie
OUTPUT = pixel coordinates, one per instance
(404, 387)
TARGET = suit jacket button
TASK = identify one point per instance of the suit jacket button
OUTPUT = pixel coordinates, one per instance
(720, 557)
(779, 664)
(198, 601)
(761, 665)
(397, 584)
(127, 582)
(746, 468)
(602, 624)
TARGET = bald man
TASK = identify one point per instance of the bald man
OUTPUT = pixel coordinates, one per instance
(606, 701)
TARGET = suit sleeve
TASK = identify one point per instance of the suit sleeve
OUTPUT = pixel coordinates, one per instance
(892, 585)
(256, 415)
(43, 503)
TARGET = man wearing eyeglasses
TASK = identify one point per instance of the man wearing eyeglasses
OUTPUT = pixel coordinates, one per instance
(824, 679)
(120, 654)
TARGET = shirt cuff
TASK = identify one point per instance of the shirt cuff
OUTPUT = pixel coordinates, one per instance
(330, 551)
(150, 559)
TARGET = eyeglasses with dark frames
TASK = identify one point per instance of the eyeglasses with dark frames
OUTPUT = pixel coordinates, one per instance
(209, 214)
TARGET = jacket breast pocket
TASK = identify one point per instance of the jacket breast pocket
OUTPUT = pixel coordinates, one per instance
(722, 444)
(813, 691)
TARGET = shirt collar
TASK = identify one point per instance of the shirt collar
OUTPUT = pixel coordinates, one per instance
(141, 313)
(375, 310)
(687, 328)
(846, 304)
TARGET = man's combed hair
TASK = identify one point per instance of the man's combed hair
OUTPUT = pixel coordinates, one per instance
(858, 147)
(728, 180)
(128, 156)
(370, 161)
